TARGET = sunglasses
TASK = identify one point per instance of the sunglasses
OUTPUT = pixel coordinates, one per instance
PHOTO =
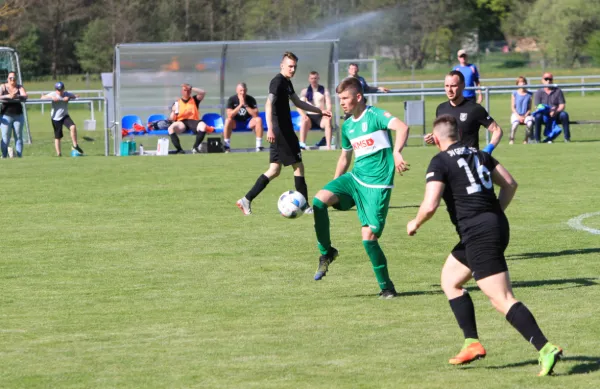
(11, 78)
(548, 78)
(462, 56)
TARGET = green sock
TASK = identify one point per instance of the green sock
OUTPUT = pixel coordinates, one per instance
(322, 226)
(379, 263)
(469, 341)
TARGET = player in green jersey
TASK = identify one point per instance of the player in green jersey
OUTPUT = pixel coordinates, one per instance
(369, 184)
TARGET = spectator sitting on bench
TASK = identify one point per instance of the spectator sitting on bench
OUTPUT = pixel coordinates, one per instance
(315, 94)
(554, 98)
(242, 108)
(186, 116)
(520, 104)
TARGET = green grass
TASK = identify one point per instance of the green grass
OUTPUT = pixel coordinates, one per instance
(140, 272)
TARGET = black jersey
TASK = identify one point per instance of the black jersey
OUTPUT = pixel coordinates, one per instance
(243, 113)
(469, 189)
(470, 116)
(282, 89)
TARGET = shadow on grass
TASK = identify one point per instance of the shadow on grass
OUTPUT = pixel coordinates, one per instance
(572, 282)
(516, 257)
(587, 365)
(403, 206)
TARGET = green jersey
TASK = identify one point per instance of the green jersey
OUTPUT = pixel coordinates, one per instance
(371, 140)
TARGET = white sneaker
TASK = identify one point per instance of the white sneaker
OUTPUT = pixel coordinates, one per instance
(308, 211)
(244, 205)
(11, 153)
(196, 150)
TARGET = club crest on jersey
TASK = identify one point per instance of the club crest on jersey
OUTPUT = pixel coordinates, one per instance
(463, 117)
(364, 127)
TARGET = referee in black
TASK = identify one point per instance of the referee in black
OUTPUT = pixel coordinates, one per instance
(468, 114)
(285, 149)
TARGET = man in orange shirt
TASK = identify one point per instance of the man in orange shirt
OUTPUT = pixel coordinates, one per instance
(186, 116)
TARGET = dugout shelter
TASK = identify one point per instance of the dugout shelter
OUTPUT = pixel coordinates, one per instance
(148, 76)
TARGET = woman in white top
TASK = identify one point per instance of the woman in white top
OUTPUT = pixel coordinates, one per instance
(520, 103)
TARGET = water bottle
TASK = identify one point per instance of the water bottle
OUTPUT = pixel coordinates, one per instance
(141, 149)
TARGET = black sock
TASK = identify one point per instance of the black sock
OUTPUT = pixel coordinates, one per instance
(175, 140)
(301, 187)
(199, 138)
(261, 183)
(464, 311)
(521, 318)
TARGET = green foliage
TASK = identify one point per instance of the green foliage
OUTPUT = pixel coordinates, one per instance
(31, 56)
(562, 28)
(593, 46)
(95, 51)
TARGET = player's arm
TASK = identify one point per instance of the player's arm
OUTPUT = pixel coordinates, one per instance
(303, 98)
(401, 136)
(271, 98)
(327, 100)
(343, 163)
(306, 106)
(431, 202)
(506, 182)
(231, 110)
(200, 93)
(252, 108)
(497, 133)
(174, 112)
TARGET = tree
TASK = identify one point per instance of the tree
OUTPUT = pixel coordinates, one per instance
(31, 55)
(95, 49)
(562, 28)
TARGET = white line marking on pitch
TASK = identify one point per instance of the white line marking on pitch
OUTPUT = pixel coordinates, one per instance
(577, 223)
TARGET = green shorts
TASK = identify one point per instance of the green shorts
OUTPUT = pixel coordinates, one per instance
(371, 203)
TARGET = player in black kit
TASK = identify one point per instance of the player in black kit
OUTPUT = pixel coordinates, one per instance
(469, 115)
(285, 149)
(464, 177)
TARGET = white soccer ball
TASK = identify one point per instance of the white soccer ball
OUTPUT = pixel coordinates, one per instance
(291, 204)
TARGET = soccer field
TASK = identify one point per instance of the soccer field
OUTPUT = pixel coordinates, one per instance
(140, 272)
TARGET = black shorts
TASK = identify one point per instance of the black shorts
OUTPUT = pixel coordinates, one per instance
(286, 149)
(191, 125)
(481, 248)
(242, 119)
(57, 125)
(315, 120)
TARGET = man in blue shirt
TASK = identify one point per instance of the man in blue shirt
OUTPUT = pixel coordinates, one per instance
(353, 72)
(471, 75)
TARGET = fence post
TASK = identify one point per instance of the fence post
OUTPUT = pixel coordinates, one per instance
(487, 108)
(422, 94)
(583, 87)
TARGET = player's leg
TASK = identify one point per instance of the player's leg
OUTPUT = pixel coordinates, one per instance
(485, 252)
(244, 204)
(528, 129)
(174, 129)
(227, 130)
(18, 128)
(304, 128)
(563, 117)
(300, 183)
(372, 207)
(200, 128)
(6, 128)
(455, 273)
(514, 123)
(539, 120)
(256, 125)
(326, 126)
(70, 124)
(58, 134)
(338, 194)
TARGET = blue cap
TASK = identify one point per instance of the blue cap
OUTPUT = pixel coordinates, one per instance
(59, 86)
